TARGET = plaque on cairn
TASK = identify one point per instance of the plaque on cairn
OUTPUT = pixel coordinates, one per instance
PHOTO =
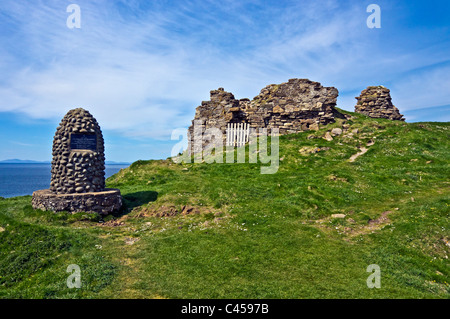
(78, 169)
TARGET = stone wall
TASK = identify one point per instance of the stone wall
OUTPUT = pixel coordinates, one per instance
(77, 170)
(104, 202)
(217, 112)
(294, 106)
(376, 102)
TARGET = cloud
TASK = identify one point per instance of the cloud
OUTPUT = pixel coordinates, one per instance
(141, 68)
(22, 144)
(424, 88)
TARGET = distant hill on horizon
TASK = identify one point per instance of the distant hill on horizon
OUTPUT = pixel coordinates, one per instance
(20, 161)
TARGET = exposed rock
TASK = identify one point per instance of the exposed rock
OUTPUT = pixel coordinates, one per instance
(336, 131)
(314, 127)
(306, 150)
(337, 179)
(131, 240)
(328, 136)
(376, 102)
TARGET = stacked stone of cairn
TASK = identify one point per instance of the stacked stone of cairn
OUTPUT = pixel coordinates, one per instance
(78, 169)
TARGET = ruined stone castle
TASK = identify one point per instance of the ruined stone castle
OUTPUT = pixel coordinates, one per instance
(294, 106)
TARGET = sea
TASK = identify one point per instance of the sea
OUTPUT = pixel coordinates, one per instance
(23, 179)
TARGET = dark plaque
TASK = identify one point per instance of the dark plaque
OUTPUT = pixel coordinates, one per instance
(83, 142)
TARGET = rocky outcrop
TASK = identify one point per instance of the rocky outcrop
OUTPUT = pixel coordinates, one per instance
(294, 106)
(376, 102)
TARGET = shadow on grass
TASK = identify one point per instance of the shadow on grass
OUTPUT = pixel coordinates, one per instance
(133, 200)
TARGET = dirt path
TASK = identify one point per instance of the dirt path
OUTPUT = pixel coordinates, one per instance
(355, 156)
(363, 150)
(353, 230)
(372, 226)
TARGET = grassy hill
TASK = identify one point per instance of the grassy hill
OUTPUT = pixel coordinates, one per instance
(227, 231)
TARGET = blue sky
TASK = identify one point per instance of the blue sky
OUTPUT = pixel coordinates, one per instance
(142, 67)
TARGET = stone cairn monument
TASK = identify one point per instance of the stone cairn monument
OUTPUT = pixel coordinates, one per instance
(78, 169)
(375, 101)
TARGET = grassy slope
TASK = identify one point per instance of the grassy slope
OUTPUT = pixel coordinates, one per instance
(258, 236)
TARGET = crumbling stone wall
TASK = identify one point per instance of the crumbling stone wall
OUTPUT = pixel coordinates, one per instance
(78, 170)
(376, 102)
(294, 106)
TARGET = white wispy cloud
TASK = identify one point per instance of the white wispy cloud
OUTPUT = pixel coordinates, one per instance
(424, 88)
(142, 71)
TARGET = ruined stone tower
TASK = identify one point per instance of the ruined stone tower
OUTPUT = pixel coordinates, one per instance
(376, 102)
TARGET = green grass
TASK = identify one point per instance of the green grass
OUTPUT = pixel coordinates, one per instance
(37, 247)
(256, 236)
